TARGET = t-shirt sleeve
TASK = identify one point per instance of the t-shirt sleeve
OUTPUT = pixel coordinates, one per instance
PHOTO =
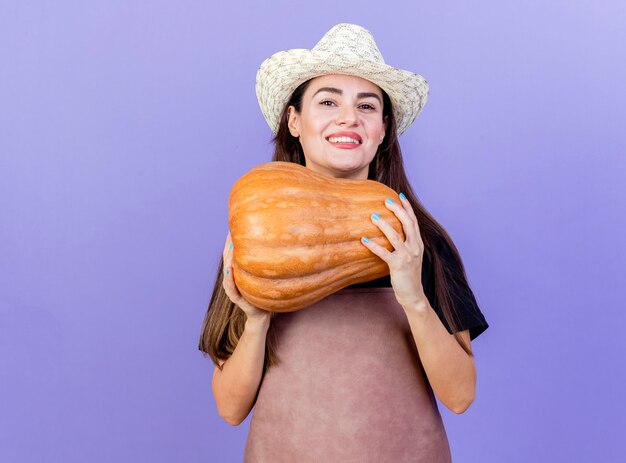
(470, 316)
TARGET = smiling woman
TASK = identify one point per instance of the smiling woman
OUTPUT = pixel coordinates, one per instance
(354, 376)
(340, 125)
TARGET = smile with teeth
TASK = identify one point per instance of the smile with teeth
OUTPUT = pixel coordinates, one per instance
(343, 140)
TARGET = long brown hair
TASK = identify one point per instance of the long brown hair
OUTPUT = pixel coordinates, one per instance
(224, 321)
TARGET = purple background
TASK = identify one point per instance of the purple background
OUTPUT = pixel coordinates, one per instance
(123, 126)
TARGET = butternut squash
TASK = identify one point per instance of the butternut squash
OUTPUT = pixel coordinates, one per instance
(296, 234)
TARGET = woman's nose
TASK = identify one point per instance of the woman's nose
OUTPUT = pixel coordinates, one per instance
(347, 115)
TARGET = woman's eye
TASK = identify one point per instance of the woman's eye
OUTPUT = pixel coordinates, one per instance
(367, 106)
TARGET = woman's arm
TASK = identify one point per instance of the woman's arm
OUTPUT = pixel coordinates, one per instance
(235, 387)
(450, 370)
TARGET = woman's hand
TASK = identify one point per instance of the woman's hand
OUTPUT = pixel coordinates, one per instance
(405, 262)
(228, 282)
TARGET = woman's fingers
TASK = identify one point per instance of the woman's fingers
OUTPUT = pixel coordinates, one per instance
(227, 246)
(409, 209)
(416, 244)
(228, 281)
(229, 254)
(377, 249)
(405, 214)
(392, 235)
(229, 285)
(408, 221)
(415, 238)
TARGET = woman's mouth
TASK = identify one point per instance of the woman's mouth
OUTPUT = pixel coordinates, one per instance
(344, 142)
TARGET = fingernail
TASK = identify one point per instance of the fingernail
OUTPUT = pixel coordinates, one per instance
(390, 201)
(230, 246)
(376, 216)
(402, 196)
(227, 272)
(365, 239)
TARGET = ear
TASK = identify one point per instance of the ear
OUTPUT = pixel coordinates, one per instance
(385, 121)
(293, 122)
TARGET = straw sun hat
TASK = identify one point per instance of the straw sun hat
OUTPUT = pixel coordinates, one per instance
(344, 49)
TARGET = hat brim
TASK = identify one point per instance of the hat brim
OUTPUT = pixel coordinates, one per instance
(280, 74)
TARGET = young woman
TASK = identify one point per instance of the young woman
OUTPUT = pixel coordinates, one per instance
(354, 376)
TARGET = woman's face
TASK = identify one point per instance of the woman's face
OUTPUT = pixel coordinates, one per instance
(340, 125)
